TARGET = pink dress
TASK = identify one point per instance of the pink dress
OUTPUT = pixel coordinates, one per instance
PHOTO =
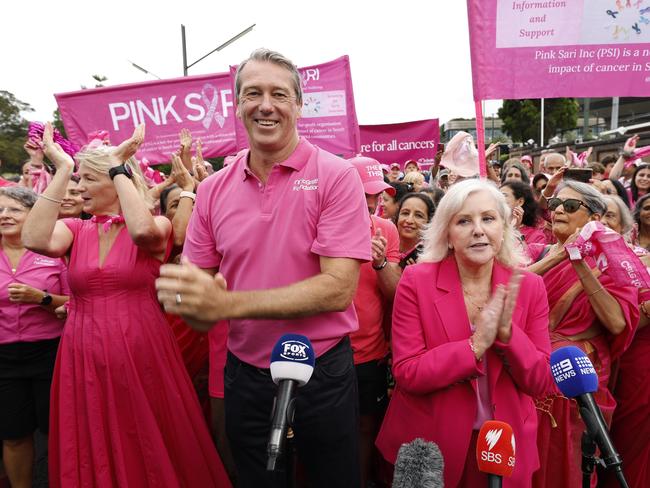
(123, 410)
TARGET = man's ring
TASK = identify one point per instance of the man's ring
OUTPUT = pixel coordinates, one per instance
(178, 299)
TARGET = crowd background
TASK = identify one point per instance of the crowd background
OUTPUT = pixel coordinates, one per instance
(467, 291)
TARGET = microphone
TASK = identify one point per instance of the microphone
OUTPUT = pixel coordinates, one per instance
(419, 464)
(292, 363)
(576, 378)
(495, 451)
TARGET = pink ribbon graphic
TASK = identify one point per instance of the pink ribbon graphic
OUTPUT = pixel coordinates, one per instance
(612, 254)
(211, 105)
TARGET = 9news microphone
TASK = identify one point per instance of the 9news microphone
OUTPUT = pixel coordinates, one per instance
(419, 464)
(292, 363)
(576, 378)
(495, 451)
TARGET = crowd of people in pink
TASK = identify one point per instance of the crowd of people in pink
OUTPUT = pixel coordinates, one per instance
(138, 310)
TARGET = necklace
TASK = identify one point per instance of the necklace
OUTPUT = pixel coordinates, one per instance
(469, 297)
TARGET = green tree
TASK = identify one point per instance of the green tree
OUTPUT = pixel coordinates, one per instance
(521, 118)
(13, 131)
(57, 122)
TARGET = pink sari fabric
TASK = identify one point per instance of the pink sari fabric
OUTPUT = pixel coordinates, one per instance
(560, 425)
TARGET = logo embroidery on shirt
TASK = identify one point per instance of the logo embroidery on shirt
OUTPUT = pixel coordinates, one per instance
(45, 261)
(305, 185)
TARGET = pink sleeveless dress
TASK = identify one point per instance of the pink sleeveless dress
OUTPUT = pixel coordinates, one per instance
(123, 410)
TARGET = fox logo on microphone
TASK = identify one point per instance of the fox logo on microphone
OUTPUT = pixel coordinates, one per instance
(292, 358)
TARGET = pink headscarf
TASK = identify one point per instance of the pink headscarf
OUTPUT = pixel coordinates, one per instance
(461, 155)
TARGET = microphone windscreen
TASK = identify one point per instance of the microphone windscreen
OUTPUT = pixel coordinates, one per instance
(495, 448)
(419, 464)
(292, 358)
(573, 372)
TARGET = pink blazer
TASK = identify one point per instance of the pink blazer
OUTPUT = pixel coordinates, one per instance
(434, 368)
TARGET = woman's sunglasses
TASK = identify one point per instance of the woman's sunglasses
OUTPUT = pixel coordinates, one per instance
(570, 205)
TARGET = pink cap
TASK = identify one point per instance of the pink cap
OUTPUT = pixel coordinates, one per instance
(461, 156)
(526, 158)
(372, 176)
(412, 161)
(395, 165)
(385, 168)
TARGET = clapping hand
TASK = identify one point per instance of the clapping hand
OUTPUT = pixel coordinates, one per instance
(129, 147)
(54, 152)
(504, 331)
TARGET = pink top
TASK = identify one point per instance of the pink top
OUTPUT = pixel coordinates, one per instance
(264, 236)
(370, 342)
(30, 322)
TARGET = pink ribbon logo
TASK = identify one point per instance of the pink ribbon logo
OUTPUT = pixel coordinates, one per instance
(211, 105)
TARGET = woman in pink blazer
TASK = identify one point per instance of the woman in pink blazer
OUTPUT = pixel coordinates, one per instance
(470, 339)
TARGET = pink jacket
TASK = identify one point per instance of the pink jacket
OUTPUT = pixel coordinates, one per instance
(434, 368)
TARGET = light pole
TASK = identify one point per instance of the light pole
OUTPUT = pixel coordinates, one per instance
(140, 68)
(225, 44)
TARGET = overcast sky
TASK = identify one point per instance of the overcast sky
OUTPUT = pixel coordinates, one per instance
(410, 60)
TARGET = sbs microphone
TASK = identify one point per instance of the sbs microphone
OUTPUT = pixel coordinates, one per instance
(292, 363)
(495, 451)
(576, 378)
(419, 464)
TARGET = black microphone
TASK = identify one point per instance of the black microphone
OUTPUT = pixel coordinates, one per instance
(419, 464)
(576, 378)
(292, 363)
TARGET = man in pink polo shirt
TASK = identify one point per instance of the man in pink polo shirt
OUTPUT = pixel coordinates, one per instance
(377, 285)
(285, 225)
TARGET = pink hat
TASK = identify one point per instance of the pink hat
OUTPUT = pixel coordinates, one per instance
(461, 156)
(411, 161)
(385, 168)
(372, 176)
(395, 165)
(526, 158)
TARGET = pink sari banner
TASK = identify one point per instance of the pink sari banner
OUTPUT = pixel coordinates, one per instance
(329, 118)
(203, 104)
(555, 48)
(397, 143)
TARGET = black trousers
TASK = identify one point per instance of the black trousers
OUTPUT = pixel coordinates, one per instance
(326, 424)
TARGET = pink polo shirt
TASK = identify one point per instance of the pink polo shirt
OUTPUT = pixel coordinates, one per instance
(269, 236)
(29, 322)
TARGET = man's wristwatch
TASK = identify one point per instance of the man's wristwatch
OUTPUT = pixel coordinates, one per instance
(47, 299)
(122, 169)
(381, 266)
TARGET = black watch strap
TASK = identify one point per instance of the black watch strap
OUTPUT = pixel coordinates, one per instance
(47, 299)
(122, 169)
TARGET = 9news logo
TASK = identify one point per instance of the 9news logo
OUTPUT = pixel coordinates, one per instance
(294, 350)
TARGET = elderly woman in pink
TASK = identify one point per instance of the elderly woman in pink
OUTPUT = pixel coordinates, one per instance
(470, 339)
(31, 287)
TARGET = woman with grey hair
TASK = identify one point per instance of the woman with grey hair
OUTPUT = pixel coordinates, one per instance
(31, 287)
(617, 216)
(587, 310)
(469, 337)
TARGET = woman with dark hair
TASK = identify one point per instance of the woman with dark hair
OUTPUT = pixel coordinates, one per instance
(519, 195)
(72, 203)
(641, 214)
(515, 171)
(389, 203)
(539, 183)
(640, 184)
(414, 212)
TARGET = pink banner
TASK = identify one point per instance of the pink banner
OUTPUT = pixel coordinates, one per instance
(556, 48)
(397, 143)
(202, 104)
(329, 118)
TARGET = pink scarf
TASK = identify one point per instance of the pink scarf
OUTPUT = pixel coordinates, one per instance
(107, 220)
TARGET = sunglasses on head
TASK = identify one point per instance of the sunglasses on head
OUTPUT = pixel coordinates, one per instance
(570, 205)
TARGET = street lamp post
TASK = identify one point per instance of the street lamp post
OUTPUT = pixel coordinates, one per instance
(140, 68)
(225, 44)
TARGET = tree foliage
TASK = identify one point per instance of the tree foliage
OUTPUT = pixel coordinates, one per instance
(521, 118)
(13, 131)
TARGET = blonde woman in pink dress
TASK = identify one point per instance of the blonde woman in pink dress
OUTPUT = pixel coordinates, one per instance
(123, 410)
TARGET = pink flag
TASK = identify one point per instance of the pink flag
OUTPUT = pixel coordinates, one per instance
(397, 143)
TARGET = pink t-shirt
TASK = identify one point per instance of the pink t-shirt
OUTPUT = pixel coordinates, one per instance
(30, 322)
(369, 342)
(269, 236)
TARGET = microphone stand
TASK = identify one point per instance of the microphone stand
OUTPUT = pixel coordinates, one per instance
(589, 460)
